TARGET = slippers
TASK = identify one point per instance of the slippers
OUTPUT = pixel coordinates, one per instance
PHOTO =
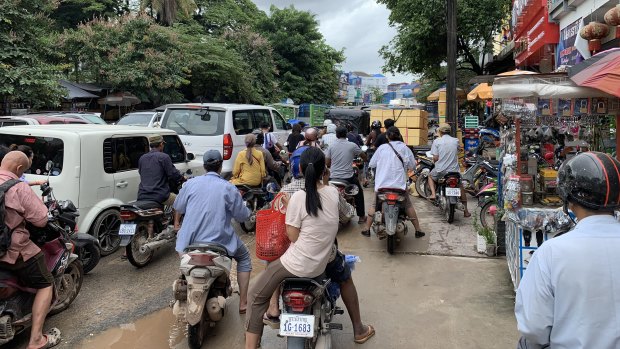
(371, 332)
(466, 214)
(53, 338)
(419, 234)
(271, 321)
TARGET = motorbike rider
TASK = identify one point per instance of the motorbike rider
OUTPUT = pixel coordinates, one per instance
(391, 161)
(339, 157)
(330, 136)
(353, 136)
(294, 138)
(382, 138)
(209, 202)
(337, 270)
(249, 166)
(311, 225)
(375, 131)
(568, 297)
(270, 141)
(23, 258)
(311, 138)
(445, 151)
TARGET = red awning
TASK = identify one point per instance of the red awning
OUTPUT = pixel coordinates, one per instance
(601, 71)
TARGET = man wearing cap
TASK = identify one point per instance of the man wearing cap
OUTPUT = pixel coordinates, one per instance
(445, 151)
(209, 202)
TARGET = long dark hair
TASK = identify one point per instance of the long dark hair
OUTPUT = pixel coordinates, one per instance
(312, 163)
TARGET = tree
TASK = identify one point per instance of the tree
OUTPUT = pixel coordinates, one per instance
(220, 16)
(26, 50)
(377, 95)
(70, 13)
(420, 45)
(166, 12)
(307, 66)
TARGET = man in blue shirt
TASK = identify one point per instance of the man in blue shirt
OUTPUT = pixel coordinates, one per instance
(209, 202)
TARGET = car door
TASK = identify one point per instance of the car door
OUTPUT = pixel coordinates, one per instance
(121, 155)
(175, 149)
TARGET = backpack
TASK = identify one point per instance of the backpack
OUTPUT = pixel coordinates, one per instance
(5, 231)
(295, 158)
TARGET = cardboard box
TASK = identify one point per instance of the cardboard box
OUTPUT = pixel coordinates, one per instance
(417, 132)
(417, 122)
(442, 108)
(401, 122)
(415, 141)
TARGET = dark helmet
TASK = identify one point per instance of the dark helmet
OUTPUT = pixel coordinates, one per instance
(591, 180)
(375, 124)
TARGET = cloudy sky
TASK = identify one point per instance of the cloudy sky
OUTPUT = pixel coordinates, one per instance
(359, 26)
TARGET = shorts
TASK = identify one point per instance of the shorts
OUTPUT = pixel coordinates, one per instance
(408, 203)
(170, 200)
(244, 261)
(434, 174)
(338, 270)
(32, 273)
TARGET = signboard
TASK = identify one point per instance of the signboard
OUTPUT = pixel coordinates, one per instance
(537, 32)
(567, 52)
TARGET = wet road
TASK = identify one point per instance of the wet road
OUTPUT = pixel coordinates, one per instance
(413, 300)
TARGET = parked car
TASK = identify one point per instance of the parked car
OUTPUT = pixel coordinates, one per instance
(37, 120)
(95, 166)
(221, 126)
(141, 118)
(91, 118)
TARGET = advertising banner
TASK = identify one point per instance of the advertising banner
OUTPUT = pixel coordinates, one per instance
(568, 54)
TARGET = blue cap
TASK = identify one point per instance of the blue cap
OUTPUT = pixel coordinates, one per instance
(212, 156)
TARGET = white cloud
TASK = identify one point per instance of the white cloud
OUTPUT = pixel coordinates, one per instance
(359, 26)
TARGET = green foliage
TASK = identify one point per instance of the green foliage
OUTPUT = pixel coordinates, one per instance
(487, 233)
(166, 12)
(435, 78)
(420, 45)
(377, 94)
(308, 67)
(221, 16)
(26, 50)
(70, 13)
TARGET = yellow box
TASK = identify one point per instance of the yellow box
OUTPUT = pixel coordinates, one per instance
(401, 122)
(415, 141)
(417, 122)
(376, 114)
(442, 108)
(417, 132)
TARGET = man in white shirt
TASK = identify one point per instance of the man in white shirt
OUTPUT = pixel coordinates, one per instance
(330, 137)
(392, 160)
(569, 297)
(445, 151)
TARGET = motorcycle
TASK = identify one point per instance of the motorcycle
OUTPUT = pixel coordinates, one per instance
(200, 292)
(488, 204)
(392, 217)
(16, 300)
(308, 309)
(255, 199)
(347, 192)
(424, 166)
(449, 194)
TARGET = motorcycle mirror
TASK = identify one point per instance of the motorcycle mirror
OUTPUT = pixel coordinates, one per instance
(364, 148)
(45, 189)
(189, 171)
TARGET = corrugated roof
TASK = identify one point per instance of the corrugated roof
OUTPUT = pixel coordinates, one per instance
(74, 91)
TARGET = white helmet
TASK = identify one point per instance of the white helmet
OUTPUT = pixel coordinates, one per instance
(327, 122)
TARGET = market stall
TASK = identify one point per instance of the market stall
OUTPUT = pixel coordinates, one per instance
(546, 119)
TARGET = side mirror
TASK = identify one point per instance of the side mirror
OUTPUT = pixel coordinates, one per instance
(190, 157)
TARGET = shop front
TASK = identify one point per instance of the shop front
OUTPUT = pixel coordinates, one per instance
(535, 37)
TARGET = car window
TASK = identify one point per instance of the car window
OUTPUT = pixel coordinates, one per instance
(279, 120)
(136, 119)
(44, 149)
(122, 154)
(174, 148)
(261, 116)
(196, 122)
(94, 119)
(243, 122)
(12, 123)
(55, 122)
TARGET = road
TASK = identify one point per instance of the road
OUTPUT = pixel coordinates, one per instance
(427, 295)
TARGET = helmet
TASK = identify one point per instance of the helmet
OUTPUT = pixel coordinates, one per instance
(375, 124)
(327, 122)
(272, 187)
(591, 180)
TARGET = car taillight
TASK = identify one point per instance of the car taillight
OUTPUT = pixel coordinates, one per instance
(452, 182)
(296, 300)
(228, 146)
(128, 216)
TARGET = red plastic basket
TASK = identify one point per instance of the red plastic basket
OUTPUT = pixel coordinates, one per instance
(271, 238)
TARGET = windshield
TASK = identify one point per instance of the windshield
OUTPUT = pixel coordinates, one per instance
(197, 122)
(44, 149)
(136, 119)
(94, 119)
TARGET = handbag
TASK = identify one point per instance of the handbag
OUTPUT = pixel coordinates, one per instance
(271, 238)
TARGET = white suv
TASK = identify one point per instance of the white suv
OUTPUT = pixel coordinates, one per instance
(88, 168)
(221, 126)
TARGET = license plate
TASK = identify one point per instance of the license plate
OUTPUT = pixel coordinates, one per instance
(127, 229)
(453, 191)
(294, 325)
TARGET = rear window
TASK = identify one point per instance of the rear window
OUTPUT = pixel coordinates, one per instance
(44, 149)
(4, 123)
(137, 119)
(195, 122)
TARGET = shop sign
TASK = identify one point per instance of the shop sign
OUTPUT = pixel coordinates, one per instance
(567, 52)
(541, 32)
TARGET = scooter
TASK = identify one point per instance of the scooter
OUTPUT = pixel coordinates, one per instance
(255, 199)
(200, 292)
(488, 204)
(16, 299)
(308, 309)
(449, 194)
(391, 219)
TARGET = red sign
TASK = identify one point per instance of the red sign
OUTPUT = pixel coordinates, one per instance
(534, 31)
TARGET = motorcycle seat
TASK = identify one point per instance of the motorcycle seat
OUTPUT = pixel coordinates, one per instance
(211, 246)
(339, 182)
(143, 205)
(396, 190)
(451, 174)
(250, 189)
(298, 282)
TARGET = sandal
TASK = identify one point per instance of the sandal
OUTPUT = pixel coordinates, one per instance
(53, 338)
(419, 234)
(366, 233)
(271, 321)
(371, 332)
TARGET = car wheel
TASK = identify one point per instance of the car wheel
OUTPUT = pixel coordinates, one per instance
(105, 229)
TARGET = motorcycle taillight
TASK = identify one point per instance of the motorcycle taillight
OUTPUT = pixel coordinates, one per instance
(452, 182)
(128, 216)
(391, 196)
(297, 300)
(199, 258)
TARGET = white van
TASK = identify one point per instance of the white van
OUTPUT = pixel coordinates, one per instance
(96, 167)
(221, 126)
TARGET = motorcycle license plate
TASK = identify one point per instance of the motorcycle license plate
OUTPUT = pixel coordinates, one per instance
(453, 191)
(127, 229)
(295, 325)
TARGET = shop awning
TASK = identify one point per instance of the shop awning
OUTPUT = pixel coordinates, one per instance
(460, 94)
(542, 86)
(75, 92)
(601, 71)
(481, 92)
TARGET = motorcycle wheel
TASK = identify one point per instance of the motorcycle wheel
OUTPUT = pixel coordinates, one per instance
(297, 343)
(197, 333)
(105, 229)
(486, 219)
(134, 256)
(249, 225)
(421, 185)
(391, 243)
(90, 257)
(69, 287)
(450, 212)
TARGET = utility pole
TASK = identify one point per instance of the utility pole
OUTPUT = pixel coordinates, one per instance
(451, 102)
